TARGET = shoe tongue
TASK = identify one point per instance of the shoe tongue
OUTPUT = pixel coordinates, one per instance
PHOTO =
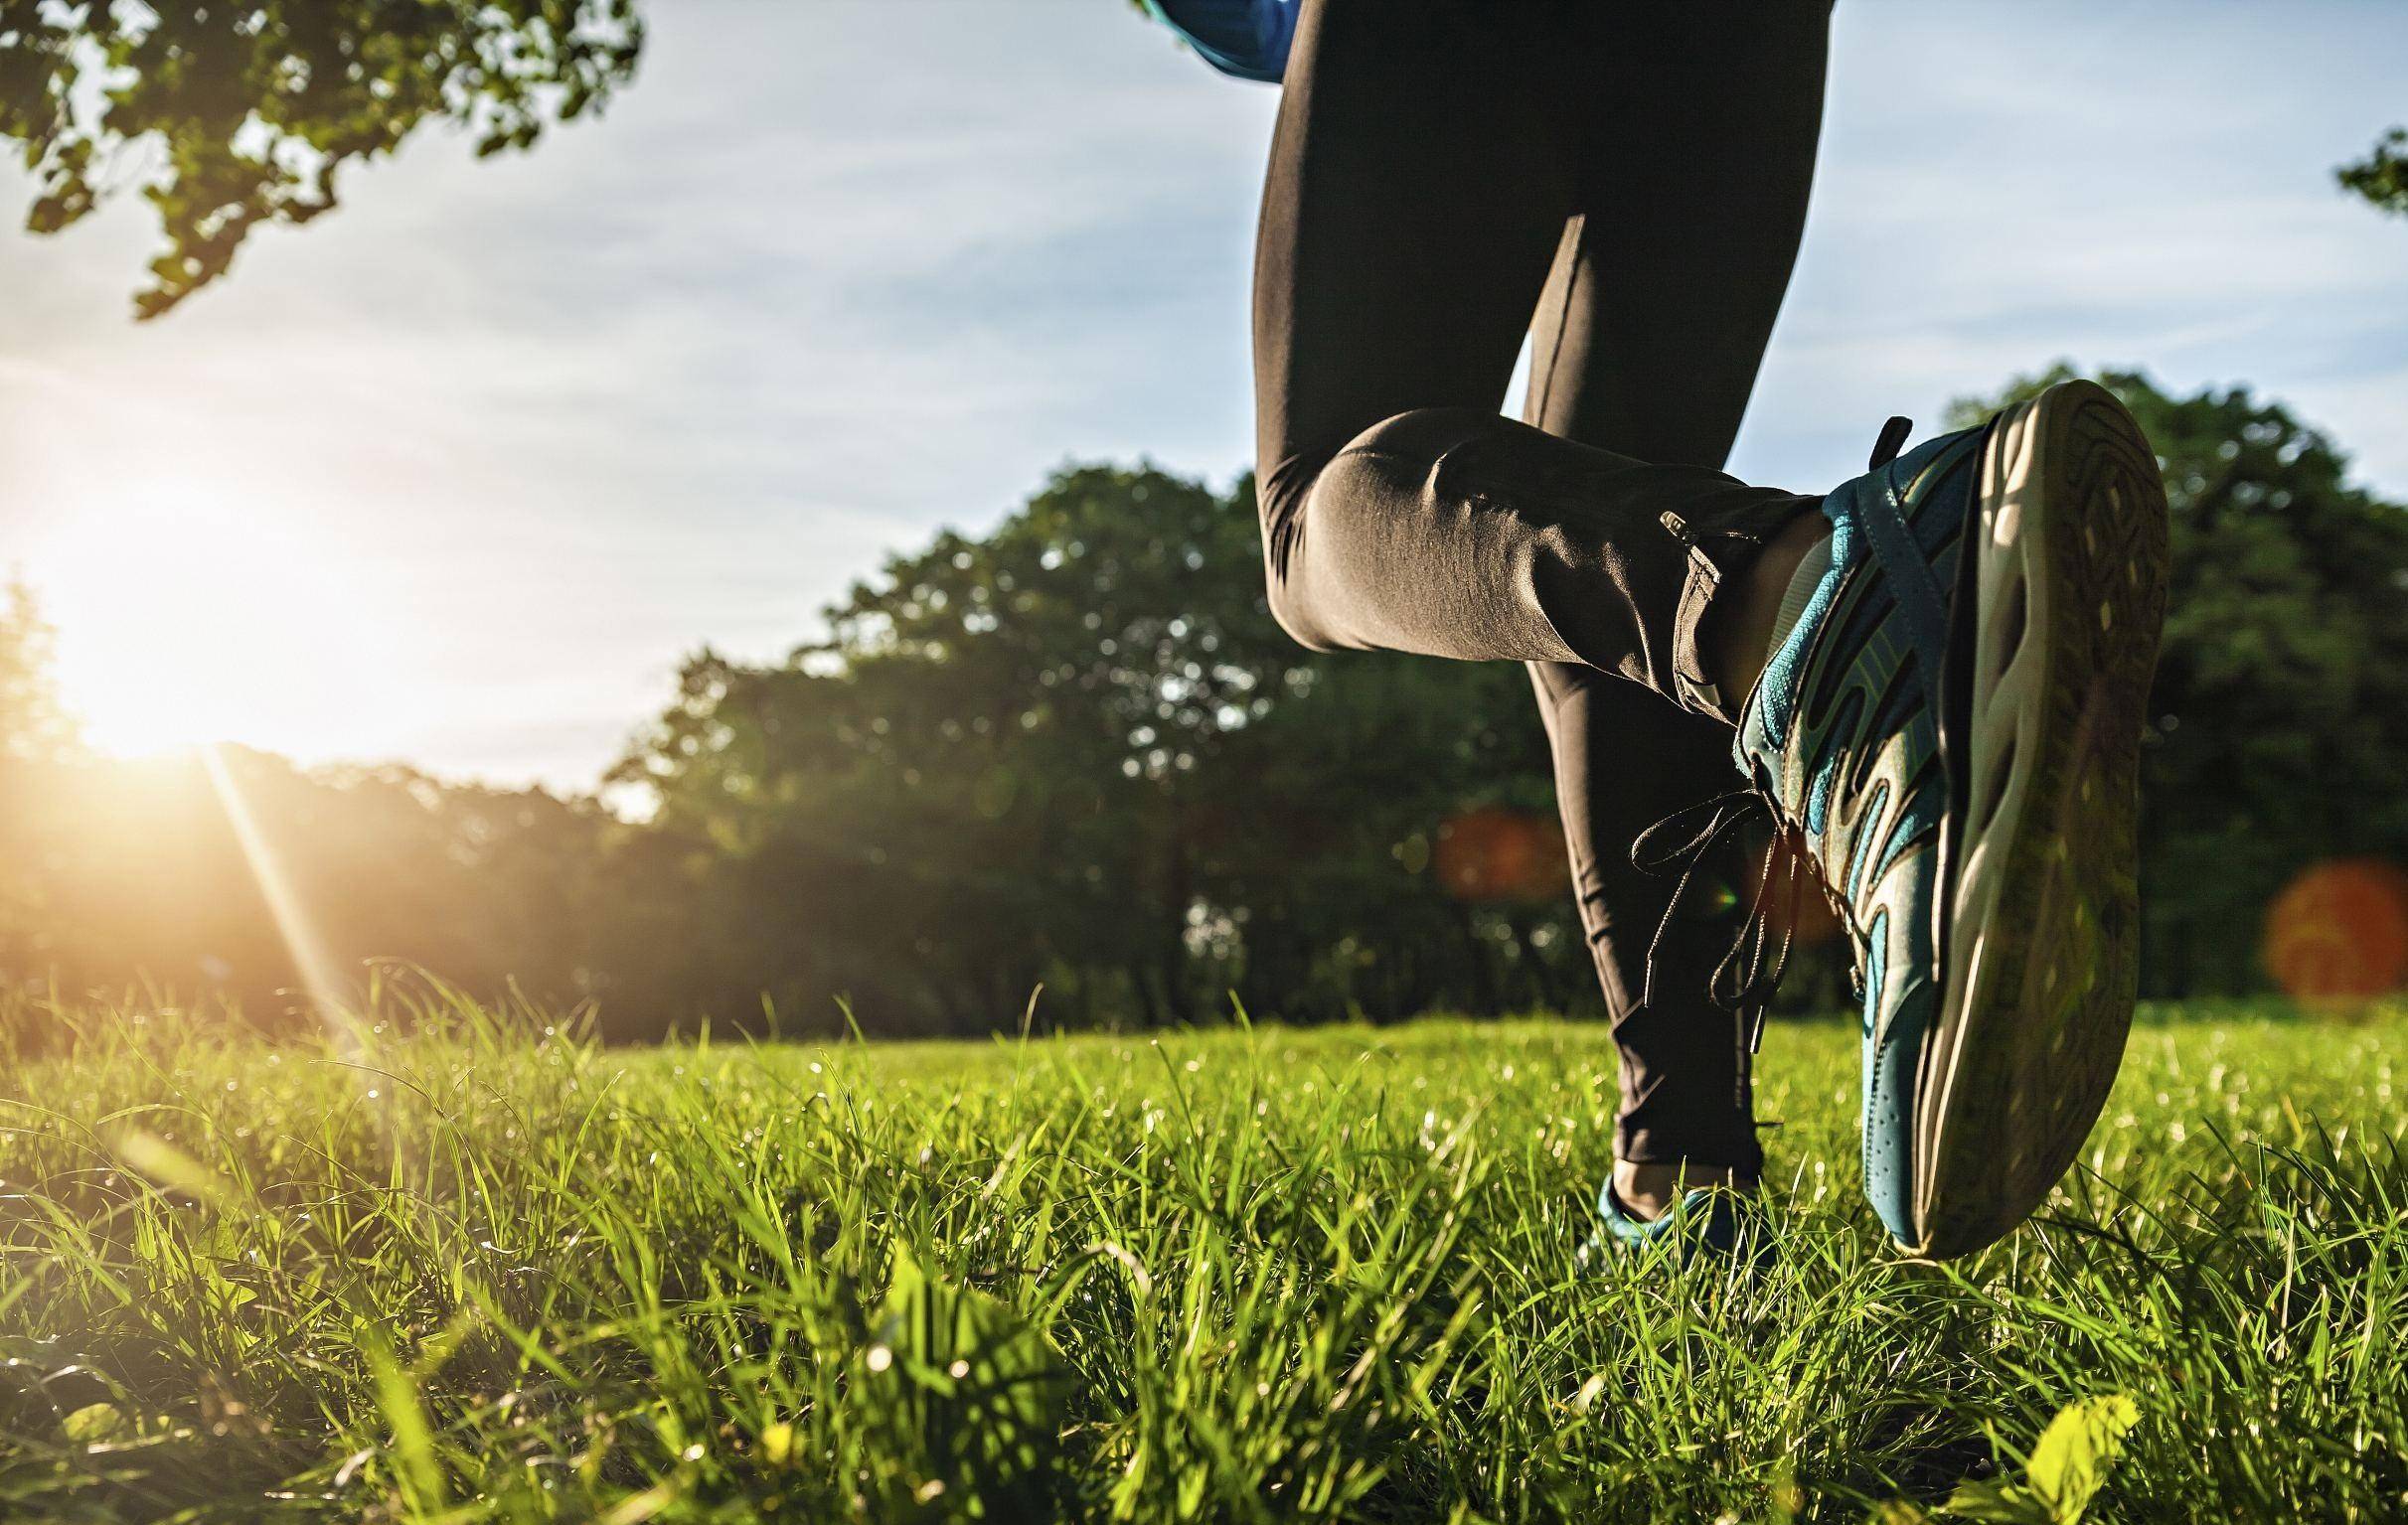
(1801, 589)
(1764, 720)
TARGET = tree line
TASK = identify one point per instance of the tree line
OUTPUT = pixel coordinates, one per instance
(1076, 752)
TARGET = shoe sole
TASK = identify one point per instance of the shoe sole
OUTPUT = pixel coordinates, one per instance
(2040, 953)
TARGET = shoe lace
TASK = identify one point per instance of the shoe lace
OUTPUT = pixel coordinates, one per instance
(1750, 971)
(1743, 982)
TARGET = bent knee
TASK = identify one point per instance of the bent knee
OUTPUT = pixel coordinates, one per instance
(1311, 505)
(1423, 436)
(1294, 614)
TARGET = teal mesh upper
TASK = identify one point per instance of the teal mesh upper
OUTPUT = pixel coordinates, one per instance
(1842, 734)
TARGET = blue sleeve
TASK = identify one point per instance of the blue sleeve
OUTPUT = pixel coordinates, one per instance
(1245, 37)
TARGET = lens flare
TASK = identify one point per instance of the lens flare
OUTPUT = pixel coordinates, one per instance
(2338, 931)
(1493, 855)
(322, 980)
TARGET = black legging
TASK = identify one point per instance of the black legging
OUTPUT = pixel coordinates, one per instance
(1633, 175)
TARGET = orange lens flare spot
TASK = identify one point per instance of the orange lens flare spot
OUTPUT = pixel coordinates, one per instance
(1499, 854)
(2338, 931)
(1816, 923)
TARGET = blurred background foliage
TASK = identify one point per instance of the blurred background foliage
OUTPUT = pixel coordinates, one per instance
(1076, 751)
(2382, 176)
(230, 115)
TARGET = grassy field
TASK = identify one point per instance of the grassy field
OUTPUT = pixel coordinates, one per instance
(489, 1272)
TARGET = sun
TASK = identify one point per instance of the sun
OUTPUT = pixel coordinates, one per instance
(196, 623)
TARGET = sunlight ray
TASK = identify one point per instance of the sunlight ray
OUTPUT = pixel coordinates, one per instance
(322, 982)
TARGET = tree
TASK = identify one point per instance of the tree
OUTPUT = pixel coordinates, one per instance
(2278, 732)
(118, 872)
(34, 722)
(1078, 750)
(2382, 176)
(247, 112)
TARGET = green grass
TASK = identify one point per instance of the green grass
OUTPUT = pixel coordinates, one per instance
(489, 1272)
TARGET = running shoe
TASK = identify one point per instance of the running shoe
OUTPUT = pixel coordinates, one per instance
(1950, 731)
(1709, 1222)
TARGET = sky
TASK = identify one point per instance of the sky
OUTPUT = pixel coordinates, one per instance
(456, 475)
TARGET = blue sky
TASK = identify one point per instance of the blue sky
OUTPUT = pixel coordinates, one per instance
(456, 475)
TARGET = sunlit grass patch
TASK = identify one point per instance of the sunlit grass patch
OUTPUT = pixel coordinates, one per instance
(486, 1271)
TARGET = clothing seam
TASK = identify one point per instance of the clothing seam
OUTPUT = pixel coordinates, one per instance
(1554, 353)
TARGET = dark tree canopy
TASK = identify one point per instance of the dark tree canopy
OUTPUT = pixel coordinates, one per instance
(233, 114)
(1078, 750)
(2382, 176)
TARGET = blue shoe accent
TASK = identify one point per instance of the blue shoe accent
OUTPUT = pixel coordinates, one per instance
(1719, 1223)
(1842, 736)
(1247, 39)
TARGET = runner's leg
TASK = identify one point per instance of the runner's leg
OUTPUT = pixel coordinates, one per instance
(1664, 293)
(1428, 153)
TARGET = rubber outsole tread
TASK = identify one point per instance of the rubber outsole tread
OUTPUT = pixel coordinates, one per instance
(2042, 963)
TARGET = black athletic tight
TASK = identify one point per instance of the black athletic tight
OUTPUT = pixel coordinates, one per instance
(1626, 182)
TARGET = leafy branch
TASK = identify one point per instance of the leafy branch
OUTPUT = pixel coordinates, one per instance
(229, 115)
(2382, 176)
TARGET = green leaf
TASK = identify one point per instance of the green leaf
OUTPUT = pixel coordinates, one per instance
(94, 1423)
(2067, 1468)
(2069, 1465)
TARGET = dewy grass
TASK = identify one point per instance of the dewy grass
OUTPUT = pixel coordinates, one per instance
(483, 1270)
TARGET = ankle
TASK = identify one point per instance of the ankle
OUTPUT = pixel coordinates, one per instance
(1647, 1191)
(1738, 637)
